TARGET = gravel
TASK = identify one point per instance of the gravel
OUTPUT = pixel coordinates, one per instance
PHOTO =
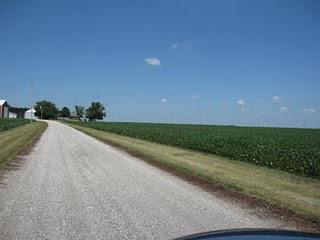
(72, 186)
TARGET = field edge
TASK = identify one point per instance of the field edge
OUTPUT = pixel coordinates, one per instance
(19, 140)
(306, 221)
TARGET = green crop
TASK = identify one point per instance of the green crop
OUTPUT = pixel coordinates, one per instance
(8, 123)
(289, 149)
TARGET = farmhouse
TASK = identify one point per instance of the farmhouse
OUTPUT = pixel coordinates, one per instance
(4, 109)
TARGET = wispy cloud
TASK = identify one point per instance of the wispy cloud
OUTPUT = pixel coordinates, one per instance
(152, 61)
(177, 45)
(164, 100)
(283, 109)
(196, 96)
(276, 99)
(278, 102)
(309, 110)
(241, 104)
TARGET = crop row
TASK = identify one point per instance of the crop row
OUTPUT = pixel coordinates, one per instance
(292, 150)
(9, 123)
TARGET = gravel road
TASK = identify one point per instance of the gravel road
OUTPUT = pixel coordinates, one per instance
(71, 186)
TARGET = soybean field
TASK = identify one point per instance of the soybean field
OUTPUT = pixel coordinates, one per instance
(290, 149)
(9, 123)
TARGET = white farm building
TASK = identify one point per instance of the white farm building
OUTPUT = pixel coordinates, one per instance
(30, 113)
(12, 115)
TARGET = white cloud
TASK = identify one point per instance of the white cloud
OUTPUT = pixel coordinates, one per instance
(164, 100)
(152, 61)
(177, 45)
(283, 109)
(196, 96)
(279, 104)
(309, 110)
(276, 99)
(241, 104)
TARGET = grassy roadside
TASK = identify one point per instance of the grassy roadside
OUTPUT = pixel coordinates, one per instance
(19, 139)
(299, 195)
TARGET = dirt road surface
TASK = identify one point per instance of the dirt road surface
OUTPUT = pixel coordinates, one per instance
(71, 186)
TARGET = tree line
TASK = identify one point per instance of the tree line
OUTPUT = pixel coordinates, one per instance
(48, 110)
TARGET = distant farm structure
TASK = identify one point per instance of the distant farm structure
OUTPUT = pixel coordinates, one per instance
(74, 116)
(12, 115)
(30, 114)
(4, 109)
(17, 112)
(7, 111)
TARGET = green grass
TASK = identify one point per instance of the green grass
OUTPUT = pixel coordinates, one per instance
(292, 150)
(18, 139)
(9, 123)
(298, 194)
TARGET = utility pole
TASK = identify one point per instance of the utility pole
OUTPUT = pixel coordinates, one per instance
(32, 92)
(41, 111)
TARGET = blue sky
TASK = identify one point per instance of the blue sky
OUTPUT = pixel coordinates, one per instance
(218, 62)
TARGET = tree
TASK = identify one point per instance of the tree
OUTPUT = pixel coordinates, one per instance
(49, 110)
(65, 112)
(96, 111)
(80, 111)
